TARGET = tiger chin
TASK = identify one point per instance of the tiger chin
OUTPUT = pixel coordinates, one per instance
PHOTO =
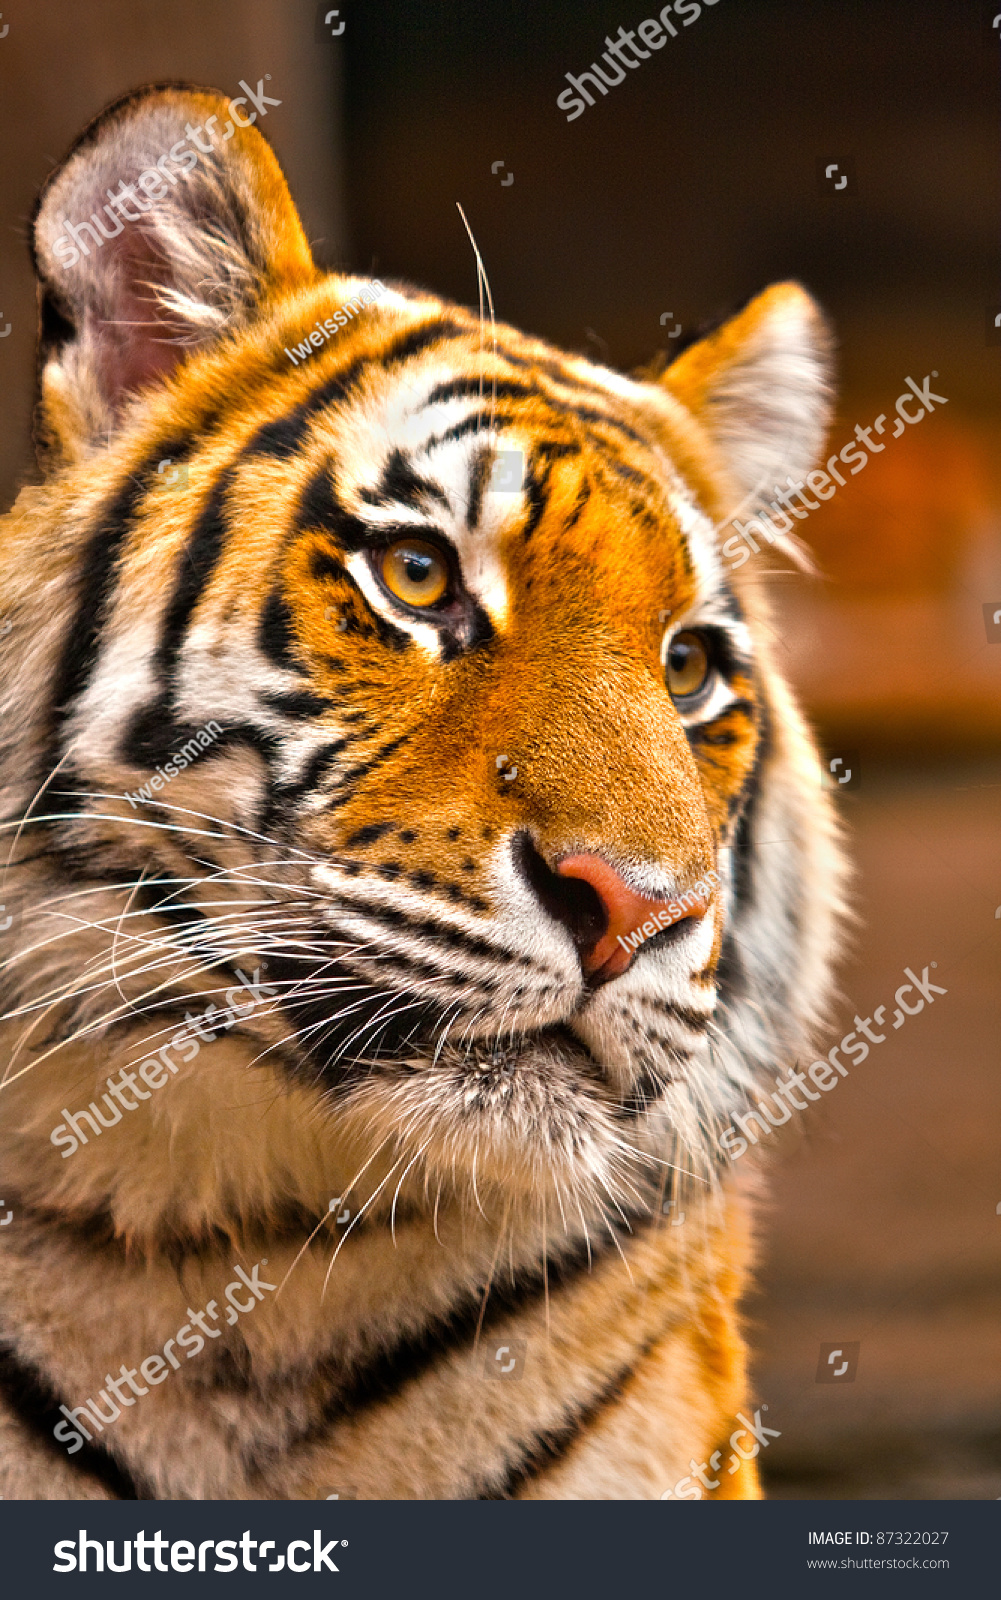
(413, 861)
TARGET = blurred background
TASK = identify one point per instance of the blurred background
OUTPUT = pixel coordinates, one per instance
(684, 191)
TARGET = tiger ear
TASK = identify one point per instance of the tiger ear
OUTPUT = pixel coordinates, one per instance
(760, 387)
(167, 223)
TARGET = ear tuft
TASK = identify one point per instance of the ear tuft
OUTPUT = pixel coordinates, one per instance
(167, 224)
(760, 386)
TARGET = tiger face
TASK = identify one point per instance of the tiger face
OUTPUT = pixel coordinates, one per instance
(506, 799)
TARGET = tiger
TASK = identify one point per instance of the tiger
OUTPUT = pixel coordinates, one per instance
(413, 860)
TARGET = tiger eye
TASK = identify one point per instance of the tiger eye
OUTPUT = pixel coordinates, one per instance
(415, 572)
(687, 665)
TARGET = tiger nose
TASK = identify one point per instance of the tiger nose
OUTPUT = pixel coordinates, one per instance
(625, 913)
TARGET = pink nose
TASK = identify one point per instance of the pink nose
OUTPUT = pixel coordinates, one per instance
(629, 914)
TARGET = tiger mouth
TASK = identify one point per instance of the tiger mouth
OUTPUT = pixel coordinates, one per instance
(503, 1059)
(495, 1067)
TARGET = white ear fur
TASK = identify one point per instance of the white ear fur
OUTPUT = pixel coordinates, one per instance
(134, 276)
(760, 387)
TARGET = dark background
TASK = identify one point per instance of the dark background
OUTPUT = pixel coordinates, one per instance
(688, 188)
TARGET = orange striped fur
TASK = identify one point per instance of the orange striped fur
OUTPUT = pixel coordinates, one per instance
(452, 1120)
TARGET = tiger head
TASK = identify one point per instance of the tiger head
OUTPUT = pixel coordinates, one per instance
(394, 653)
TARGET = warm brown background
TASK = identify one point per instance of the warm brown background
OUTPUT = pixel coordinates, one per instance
(690, 187)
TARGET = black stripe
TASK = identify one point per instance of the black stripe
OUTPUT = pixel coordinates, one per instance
(697, 1021)
(629, 475)
(481, 389)
(476, 422)
(410, 1358)
(275, 636)
(402, 485)
(553, 368)
(440, 933)
(710, 736)
(585, 414)
(319, 507)
(349, 782)
(195, 566)
(316, 769)
(321, 762)
(152, 733)
(583, 496)
(98, 577)
(283, 437)
(300, 705)
(731, 972)
(153, 736)
(420, 339)
(538, 489)
(380, 1027)
(36, 1404)
(551, 1445)
(555, 449)
(479, 477)
(647, 1089)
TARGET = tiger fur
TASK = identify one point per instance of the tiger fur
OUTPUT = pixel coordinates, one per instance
(421, 832)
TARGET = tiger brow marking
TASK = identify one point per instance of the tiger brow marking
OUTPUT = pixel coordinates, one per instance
(469, 388)
(476, 422)
(479, 477)
(401, 484)
(283, 436)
